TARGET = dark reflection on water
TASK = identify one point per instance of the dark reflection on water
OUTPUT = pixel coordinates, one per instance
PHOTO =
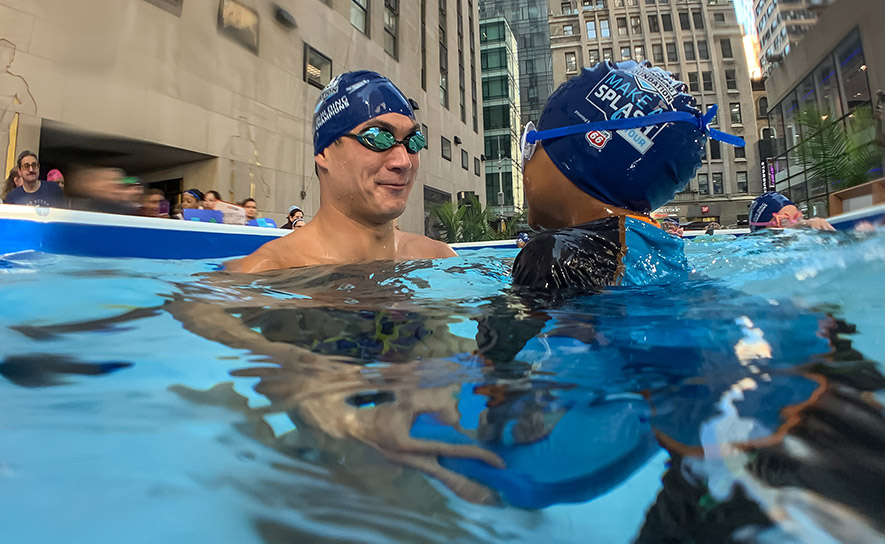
(408, 382)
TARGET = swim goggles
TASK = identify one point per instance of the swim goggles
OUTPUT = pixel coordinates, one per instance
(531, 137)
(778, 220)
(378, 139)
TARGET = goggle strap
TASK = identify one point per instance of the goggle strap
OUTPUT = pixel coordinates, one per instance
(702, 122)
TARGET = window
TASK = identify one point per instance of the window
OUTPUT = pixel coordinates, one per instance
(317, 67)
(708, 80)
(622, 26)
(698, 19)
(693, 82)
(672, 55)
(740, 152)
(495, 87)
(443, 58)
(717, 182)
(688, 47)
(731, 80)
(625, 53)
(426, 134)
(735, 108)
(604, 31)
(591, 30)
(657, 52)
(593, 56)
(667, 22)
(719, 17)
(497, 147)
(653, 25)
(496, 117)
(391, 20)
(762, 110)
(703, 52)
(571, 62)
(358, 18)
(476, 165)
(715, 150)
(566, 8)
(493, 59)
(424, 45)
(638, 52)
(742, 182)
(703, 184)
(446, 147)
(725, 45)
(635, 26)
(465, 160)
(568, 30)
(607, 54)
(683, 21)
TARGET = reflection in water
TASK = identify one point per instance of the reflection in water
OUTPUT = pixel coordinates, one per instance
(371, 378)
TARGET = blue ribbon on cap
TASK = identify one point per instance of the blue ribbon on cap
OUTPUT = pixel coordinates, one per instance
(702, 122)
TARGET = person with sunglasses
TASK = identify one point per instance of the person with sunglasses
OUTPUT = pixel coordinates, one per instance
(32, 191)
(773, 210)
(366, 154)
(612, 144)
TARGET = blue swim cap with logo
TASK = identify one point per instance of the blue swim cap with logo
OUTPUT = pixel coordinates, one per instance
(764, 207)
(639, 168)
(353, 98)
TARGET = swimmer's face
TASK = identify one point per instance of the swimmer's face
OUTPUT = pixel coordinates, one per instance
(370, 185)
(786, 216)
(189, 201)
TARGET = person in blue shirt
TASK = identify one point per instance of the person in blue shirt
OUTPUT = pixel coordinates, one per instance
(612, 144)
(34, 192)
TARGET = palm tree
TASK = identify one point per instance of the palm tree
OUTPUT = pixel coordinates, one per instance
(471, 222)
(841, 154)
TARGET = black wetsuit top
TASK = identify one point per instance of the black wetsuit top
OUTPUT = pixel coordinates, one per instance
(586, 257)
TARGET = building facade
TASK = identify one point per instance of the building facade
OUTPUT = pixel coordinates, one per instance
(780, 25)
(528, 21)
(501, 116)
(834, 73)
(700, 43)
(219, 94)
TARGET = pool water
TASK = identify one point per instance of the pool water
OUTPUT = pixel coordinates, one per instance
(163, 401)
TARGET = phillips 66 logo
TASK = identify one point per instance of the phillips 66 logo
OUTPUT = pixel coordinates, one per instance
(598, 138)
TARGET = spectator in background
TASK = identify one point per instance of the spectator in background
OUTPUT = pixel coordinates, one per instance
(210, 199)
(251, 208)
(295, 214)
(192, 199)
(34, 192)
(99, 189)
(13, 181)
(297, 224)
(151, 202)
(56, 176)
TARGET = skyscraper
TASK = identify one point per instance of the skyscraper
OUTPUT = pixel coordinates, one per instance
(700, 43)
(528, 21)
(778, 26)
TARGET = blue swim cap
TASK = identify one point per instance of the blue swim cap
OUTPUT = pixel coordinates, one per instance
(764, 207)
(353, 98)
(636, 168)
(522, 237)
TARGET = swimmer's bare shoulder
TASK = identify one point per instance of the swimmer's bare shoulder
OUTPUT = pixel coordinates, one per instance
(274, 255)
(415, 246)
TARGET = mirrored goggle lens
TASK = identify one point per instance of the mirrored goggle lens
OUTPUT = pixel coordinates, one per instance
(382, 140)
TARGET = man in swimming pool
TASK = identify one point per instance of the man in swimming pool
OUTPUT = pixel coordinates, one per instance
(612, 144)
(366, 145)
(775, 211)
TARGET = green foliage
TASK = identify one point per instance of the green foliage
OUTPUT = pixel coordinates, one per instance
(471, 222)
(840, 153)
